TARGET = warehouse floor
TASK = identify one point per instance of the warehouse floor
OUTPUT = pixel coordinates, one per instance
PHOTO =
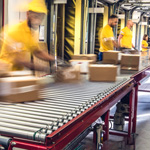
(143, 127)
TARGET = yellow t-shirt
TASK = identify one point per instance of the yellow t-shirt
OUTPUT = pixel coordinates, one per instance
(106, 39)
(126, 40)
(18, 42)
(145, 45)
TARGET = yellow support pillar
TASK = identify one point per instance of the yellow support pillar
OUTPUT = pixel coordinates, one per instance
(122, 23)
(77, 37)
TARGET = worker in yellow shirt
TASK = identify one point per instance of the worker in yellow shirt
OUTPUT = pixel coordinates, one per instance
(125, 37)
(145, 44)
(145, 50)
(107, 40)
(20, 39)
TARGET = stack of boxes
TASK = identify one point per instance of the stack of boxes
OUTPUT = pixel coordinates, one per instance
(107, 71)
(97, 72)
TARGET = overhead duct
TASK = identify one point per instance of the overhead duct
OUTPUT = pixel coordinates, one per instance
(136, 16)
(60, 1)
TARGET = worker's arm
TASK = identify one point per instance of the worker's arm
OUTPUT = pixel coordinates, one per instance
(133, 46)
(115, 44)
(31, 66)
(119, 39)
(144, 46)
(43, 55)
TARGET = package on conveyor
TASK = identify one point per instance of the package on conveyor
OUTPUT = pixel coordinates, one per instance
(130, 51)
(85, 57)
(20, 89)
(84, 64)
(130, 62)
(111, 57)
(4, 68)
(102, 72)
(68, 74)
(19, 73)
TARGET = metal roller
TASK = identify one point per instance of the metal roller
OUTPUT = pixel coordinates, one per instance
(68, 107)
(4, 141)
(35, 110)
(55, 108)
(28, 115)
(85, 94)
(60, 102)
(32, 120)
(46, 108)
(22, 127)
(75, 99)
(25, 123)
(37, 136)
(29, 112)
(91, 92)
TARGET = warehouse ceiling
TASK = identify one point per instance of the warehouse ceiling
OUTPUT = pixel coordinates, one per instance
(142, 6)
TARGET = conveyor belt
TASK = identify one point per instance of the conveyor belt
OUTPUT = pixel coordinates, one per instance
(61, 103)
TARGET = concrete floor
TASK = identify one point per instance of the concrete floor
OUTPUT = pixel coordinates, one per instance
(142, 141)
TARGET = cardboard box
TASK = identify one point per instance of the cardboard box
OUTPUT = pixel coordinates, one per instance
(20, 73)
(130, 62)
(70, 74)
(130, 51)
(84, 64)
(4, 68)
(19, 89)
(111, 57)
(105, 73)
(85, 57)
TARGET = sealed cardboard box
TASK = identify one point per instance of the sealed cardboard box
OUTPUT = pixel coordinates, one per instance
(19, 89)
(111, 57)
(85, 57)
(84, 64)
(106, 73)
(69, 74)
(130, 62)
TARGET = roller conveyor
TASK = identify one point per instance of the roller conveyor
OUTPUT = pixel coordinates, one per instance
(62, 104)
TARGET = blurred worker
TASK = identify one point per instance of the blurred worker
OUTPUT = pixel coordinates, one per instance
(20, 39)
(145, 44)
(145, 51)
(107, 40)
(125, 37)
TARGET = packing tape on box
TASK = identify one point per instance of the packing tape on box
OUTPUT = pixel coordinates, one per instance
(7, 89)
(24, 89)
(69, 75)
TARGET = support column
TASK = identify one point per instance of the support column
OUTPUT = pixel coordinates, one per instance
(92, 27)
(77, 27)
(105, 18)
(136, 35)
(145, 28)
(110, 10)
(106, 126)
(126, 16)
(135, 109)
